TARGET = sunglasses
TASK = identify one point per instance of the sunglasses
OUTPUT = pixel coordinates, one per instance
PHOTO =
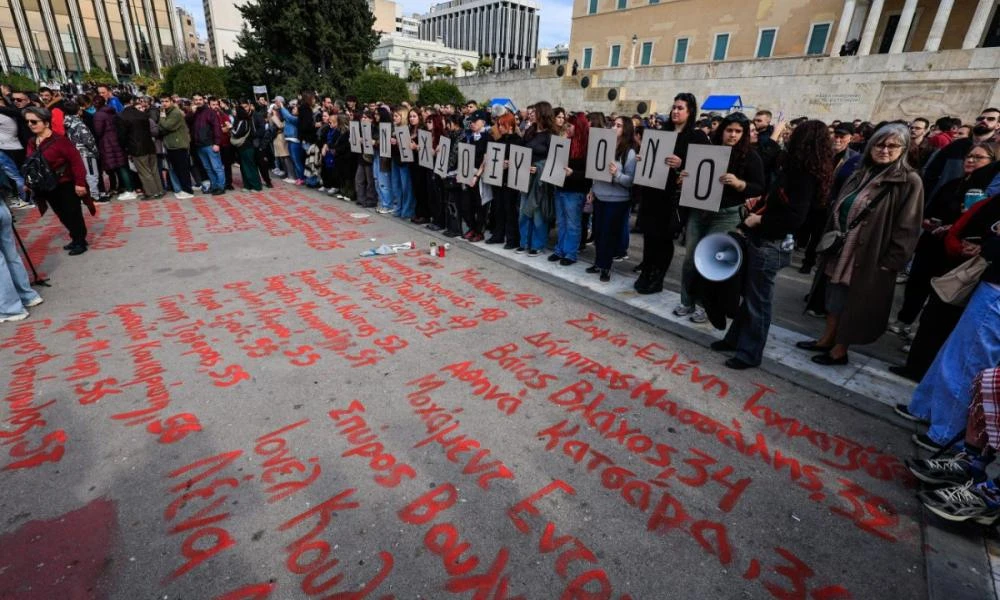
(32, 121)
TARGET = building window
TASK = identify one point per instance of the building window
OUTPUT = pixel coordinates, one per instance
(592, 9)
(765, 43)
(622, 4)
(817, 39)
(616, 56)
(721, 47)
(588, 57)
(654, 1)
(646, 58)
(681, 51)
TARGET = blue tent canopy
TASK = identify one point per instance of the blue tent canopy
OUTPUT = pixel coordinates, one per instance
(504, 102)
(726, 103)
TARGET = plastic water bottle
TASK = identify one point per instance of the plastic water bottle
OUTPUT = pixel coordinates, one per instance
(788, 244)
(971, 197)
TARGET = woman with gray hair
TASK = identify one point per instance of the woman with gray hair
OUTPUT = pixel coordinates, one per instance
(871, 232)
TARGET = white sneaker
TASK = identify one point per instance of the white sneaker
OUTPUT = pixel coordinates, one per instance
(683, 311)
(127, 196)
(900, 328)
(183, 195)
(38, 300)
(289, 180)
(332, 191)
(18, 203)
(11, 318)
(321, 190)
(699, 316)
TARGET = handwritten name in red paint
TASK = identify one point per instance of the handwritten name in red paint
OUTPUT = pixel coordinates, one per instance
(79, 325)
(114, 228)
(474, 278)
(279, 466)
(477, 380)
(365, 444)
(180, 231)
(171, 309)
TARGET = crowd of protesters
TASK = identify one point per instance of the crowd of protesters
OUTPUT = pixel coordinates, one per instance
(870, 205)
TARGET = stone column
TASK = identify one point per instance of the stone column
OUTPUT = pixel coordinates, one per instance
(871, 24)
(978, 25)
(903, 29)
(844, 27)
(937, 28)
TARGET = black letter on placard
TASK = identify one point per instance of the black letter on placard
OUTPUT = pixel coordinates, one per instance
(697, 179)
(424, 151)
(466, 165)
(494, 161)
(649, 157)
(518, 161)
(601, 156)
(553, 162)
(383, 137)
(443, 162)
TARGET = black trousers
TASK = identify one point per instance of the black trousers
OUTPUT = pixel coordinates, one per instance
(506, 202)
(472, 208)
(180, 162)
(936, 324)
(68, 208)
(454, 195)
(228, 160)
(418, 179)
(437, 202)
(263, 160)
(811, 233)
(658, 218)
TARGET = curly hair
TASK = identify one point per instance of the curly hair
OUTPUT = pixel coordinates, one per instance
(810, 151)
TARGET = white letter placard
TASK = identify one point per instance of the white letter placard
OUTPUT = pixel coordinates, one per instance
(656, 146)
(384, 135)
(557, 161)
(466, 163)
(441, 164)
(704, 165)
(519, 168)
(425, 152)
(355, 129)
(600, 153)
(403, 142)
(495, 154)
(367, 143)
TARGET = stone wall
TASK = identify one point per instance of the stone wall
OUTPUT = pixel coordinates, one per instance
(930, 84)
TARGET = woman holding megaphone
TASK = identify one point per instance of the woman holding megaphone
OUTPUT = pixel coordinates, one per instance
(806, 175)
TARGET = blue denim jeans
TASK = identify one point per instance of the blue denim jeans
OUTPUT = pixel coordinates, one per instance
(701, 223)
(404, 203)
(534, 231)
(569, 208)
(15, 288)
(748, 331)
(383, 184)
(298, 159)
(12, 171)
(943, 395)
(212, 162)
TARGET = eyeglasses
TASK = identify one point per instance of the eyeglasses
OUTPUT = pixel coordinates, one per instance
(978, 157)
(889, 147)
(32, 121)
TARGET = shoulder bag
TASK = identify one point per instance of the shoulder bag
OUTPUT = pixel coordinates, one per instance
(955, 286)
(832, 242)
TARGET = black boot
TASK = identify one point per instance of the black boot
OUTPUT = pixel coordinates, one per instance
(654, 282)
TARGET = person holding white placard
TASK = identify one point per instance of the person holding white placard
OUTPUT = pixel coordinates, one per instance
(611, 200)
(744, 178)
(658, 211)
(401, 185)
(472, 203)
(436, 202)
(364, 178)
(805, 176)
(532, 224)
(382, 167)
(506, 201)
(571, 197)
(418, 176)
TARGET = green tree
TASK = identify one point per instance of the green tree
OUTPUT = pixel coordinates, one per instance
(98, 76)
(446, 71)
(468, 67)
(306, 44)
(485, 64)
(374, 85)
(18, 82)
(151, 85)
(415, 73)
(431, 71)
(194, 78)
(439, 92)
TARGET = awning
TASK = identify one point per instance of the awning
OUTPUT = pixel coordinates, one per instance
(504, 102)
(726, 103)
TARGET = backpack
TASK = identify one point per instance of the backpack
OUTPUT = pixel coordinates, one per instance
(81, 136)
(38, 174)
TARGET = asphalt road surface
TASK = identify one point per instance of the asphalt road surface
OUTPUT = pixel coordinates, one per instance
(222, 399)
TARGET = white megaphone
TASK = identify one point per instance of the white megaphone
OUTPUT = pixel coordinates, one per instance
(718, 257)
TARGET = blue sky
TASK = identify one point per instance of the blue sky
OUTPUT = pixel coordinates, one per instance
(555, 17)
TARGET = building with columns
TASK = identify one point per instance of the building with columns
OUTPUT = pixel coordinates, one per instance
(608, 34)
(59, 40)
(504, 30)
